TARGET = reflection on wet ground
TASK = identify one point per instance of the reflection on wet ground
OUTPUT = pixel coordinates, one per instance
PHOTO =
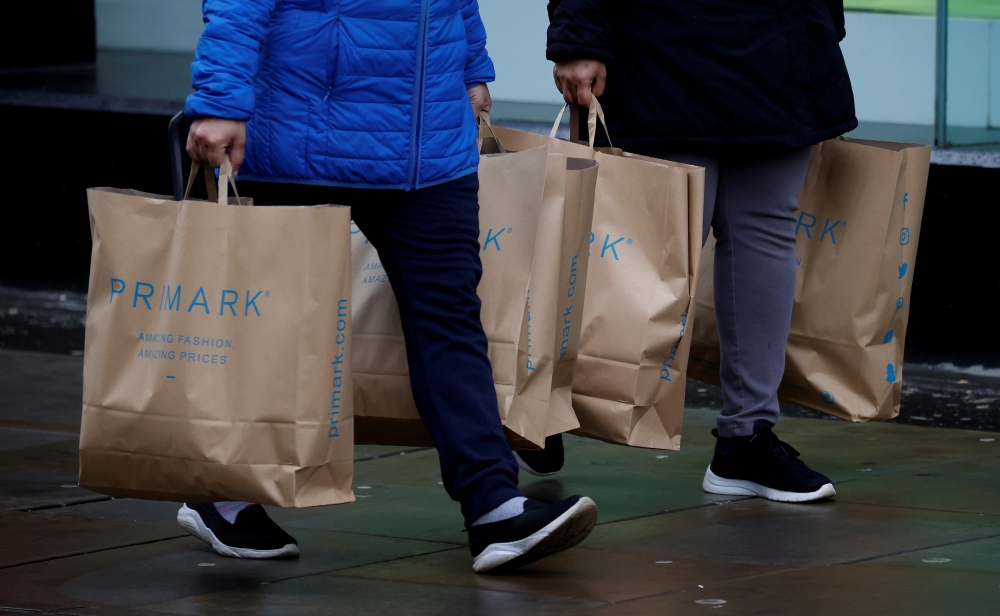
(49, 321)
(944, 395)
(914, 528)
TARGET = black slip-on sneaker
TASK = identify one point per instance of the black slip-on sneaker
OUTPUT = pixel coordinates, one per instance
(542, 530)
(545, 462)
(252, 535)
(762, 465)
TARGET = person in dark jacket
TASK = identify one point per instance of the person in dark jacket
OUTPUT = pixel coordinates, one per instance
(367, 103)
(741, 88)
(706, 75)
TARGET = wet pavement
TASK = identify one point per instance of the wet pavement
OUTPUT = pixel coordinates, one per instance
(50, 321)
(914, 528)
(942, 395)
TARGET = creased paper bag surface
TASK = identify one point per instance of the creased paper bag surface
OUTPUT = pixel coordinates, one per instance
(856, 245)
(217, 354)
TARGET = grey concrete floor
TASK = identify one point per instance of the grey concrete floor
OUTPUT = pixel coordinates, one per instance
(914, 529)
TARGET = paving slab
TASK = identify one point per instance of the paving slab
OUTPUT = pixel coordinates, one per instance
(19, 438)
(198, 570)
(34, 537)
(979, 556)
(862, 589)
(128, 509)
(184, 567)
(323, 595)
(36, 586)
(596, 575)
(32, 489)
(953, 486)
(18, 608)
(761, 532)
(848, 451)
(89, 611)
(34, 476)
(40, 388)
(392, 510)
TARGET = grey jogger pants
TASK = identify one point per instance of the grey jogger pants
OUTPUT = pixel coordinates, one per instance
(750, 203)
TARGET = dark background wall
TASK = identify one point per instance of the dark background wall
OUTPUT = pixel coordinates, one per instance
(36, 33)
(956, 284)
(54, 155)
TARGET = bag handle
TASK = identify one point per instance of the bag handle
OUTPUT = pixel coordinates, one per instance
(218, 194)
(595, 113)
(484, 119)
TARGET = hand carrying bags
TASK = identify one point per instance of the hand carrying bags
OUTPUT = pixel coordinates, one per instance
(644, 251)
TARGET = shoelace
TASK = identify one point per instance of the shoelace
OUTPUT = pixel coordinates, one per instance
(772, 442)
(775, 442)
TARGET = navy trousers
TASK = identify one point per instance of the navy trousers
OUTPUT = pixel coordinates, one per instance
(428, 241)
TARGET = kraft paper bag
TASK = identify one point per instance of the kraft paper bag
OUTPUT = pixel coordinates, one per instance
(856, 244)
(523, 372)
(519, 322)
(569, 203)
(629, 380)
(217, 355)
(574, 259)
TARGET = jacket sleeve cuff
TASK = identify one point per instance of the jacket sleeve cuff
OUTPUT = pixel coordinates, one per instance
(563, 52)
(480, 72)
(220, 91)
(203, 105)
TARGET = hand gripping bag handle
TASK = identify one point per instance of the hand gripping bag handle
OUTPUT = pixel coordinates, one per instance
(484, 119)
(177, 132)
(595, 113)
(220, 195)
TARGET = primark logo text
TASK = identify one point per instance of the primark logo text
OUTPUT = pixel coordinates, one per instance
(609, 247)
(227, 302)
(493, 238)
(814, 229)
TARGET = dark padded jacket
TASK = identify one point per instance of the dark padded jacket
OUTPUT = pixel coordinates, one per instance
(703, 74)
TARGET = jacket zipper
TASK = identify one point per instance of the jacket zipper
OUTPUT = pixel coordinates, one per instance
(416, 132)
(331, 61)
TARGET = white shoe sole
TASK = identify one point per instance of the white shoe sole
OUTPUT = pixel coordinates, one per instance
(524, 467)
(713, 484)
(191, 522)
(560, 534)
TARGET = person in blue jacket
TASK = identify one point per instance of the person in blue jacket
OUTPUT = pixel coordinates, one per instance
(373, 104)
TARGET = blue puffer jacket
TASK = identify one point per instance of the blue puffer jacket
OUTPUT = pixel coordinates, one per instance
(362, 93)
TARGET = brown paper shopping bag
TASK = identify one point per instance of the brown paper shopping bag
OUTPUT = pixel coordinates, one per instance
(856, 243)
(518, 322)
(217, 354)
(645, 247)
(574, 264)
(523, 367)
(568, 203)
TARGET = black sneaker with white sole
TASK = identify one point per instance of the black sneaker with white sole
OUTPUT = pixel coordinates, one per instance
(762, 465)
(542, 530)
(252, 535)
(544, 462)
